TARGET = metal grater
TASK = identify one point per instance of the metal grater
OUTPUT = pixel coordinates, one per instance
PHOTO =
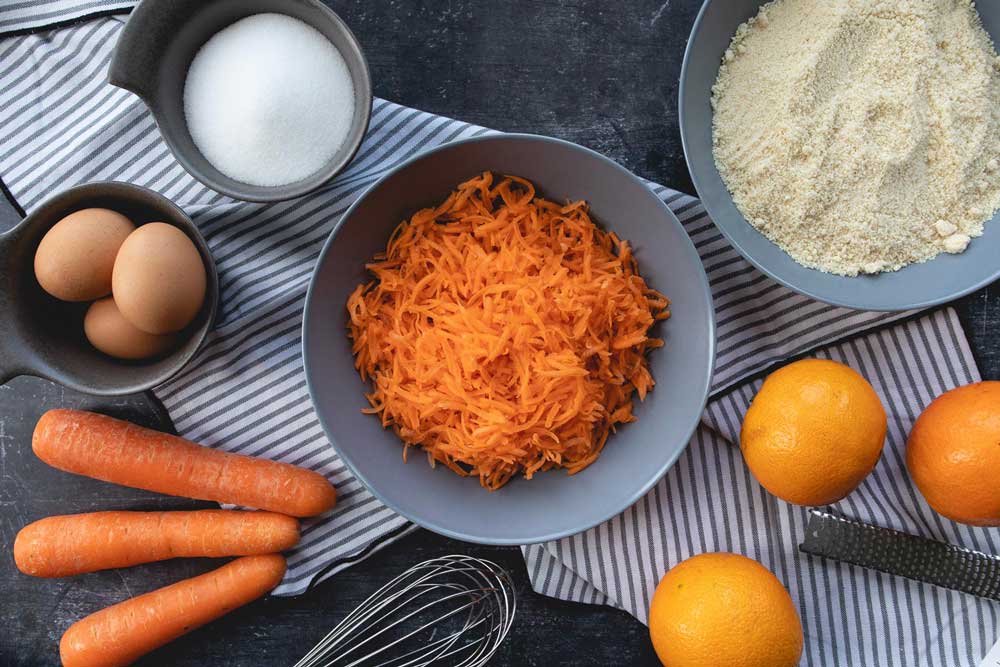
(894, 552)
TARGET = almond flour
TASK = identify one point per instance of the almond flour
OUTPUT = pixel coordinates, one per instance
(861, 135)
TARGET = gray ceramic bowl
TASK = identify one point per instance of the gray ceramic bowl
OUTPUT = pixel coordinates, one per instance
(155, 50)
(553, 504)
(942, 279)
(42, 336)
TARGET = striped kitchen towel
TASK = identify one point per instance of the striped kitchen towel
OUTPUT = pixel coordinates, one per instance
(246, 392)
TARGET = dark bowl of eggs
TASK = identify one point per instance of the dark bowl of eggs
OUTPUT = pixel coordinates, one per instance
(110, 289)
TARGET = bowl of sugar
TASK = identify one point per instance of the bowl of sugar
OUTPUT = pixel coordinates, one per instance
(260, 100)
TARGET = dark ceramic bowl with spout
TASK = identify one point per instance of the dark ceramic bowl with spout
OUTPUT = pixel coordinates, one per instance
(43, 336)
(154, 53)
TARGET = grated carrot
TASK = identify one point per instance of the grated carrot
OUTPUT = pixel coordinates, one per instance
(504, 333)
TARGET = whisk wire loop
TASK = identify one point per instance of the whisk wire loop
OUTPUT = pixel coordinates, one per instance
(454, 610)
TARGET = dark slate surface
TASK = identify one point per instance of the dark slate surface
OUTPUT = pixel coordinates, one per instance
(600, 73)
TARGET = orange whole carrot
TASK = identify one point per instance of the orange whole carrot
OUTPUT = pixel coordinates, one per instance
(63, 546)
(116, 451)
(120, 634)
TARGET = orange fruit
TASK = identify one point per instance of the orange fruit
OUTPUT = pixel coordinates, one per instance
(953, 454)
(720, 609)
(813, 432)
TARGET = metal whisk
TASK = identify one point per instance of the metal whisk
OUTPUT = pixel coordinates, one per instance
(453, 610)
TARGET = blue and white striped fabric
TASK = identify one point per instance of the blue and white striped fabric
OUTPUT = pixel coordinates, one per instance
(246, 392)
(22, 16)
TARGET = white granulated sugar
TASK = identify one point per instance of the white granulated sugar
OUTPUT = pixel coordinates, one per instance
(861, 135)
(269, 100)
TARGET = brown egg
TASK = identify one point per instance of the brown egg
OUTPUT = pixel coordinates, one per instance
(113, 335)
(159, 279)
(74, 261)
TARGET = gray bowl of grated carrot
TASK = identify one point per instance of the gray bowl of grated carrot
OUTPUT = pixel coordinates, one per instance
(505, 332)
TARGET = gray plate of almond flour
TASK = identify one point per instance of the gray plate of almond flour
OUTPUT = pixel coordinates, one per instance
(918, 285)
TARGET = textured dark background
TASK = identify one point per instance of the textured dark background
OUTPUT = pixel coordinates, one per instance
(603, 74)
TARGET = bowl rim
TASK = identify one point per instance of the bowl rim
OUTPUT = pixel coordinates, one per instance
(818, 294)
(180, 358)
(704, 383)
